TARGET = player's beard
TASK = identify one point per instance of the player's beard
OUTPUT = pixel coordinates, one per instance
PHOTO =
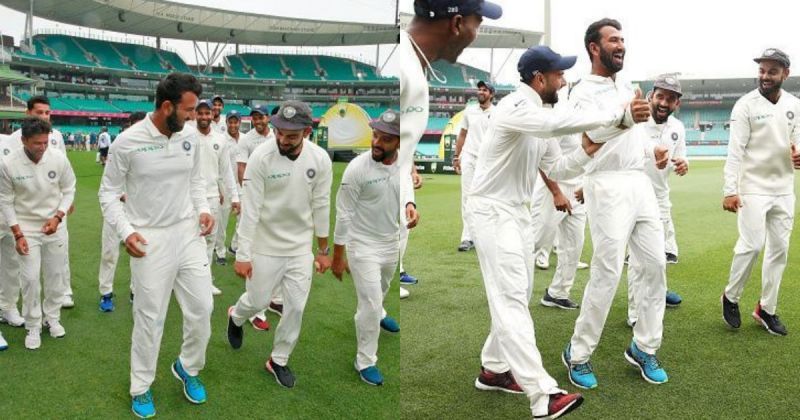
(291, 152)
(654, 112)
(174, 124)
(606, 57)
(776, 86)
(384, 155)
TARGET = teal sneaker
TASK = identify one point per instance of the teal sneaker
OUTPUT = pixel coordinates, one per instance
(143, 406)
(673, 299)
(648, 365)
(193, 389)
(580, 374)
(390, 324)
(371, 375)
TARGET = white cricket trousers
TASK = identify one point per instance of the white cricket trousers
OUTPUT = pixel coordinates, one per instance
(222, 231)
(45, 256)
(505, 252)
(765, 221)
(292, 275)
(570, 229)
(66, 277)
(622, 211)
(467, 173)
(210, 239)
(10, 284)
(372, 267)
(542, 209)
(175, 263)
(109, 255)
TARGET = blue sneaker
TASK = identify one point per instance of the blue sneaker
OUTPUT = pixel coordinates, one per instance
(648, 364)
(406, 278)
(193, 389)
(143, 406)
(673, 299)
(371, 375)
(581, 374)
(390, 324)
(107, 303)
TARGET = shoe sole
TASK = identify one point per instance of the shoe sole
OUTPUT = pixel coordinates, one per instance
(258, 328)
(555, 305)
(764, 324)
(735, 327)
(12, 324)
(409, 284)
(141, 416)
(567, 409)
(178, 377)
(274, 311)
(633, 361)
(569, 376)
(268, 368)
(483, 387)
(3, 348)
(673, 305)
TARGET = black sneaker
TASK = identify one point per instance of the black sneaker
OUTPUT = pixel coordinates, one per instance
(276, 308)
(465, 246)
(235, 332)
(131, 297)
(730, 313)
(282, 374)
(771, 322)
(672, 258)
(552, 302)
(222, 261)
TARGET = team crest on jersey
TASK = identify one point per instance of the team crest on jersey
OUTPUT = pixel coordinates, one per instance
(790, 115)
(311, 173)
(51, 174)
(187, 146)
(216, 147)
(674, 136)
(53, 142)
(6, 152)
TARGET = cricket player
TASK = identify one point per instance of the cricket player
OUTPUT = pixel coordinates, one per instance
(215, 161)
(217, 107)
(109, 251)
(9, 260)
(37, 187)
(368, 230)
(157, 163)
(663, 129)
(232, 120)
(763, 150)
(622, 211)
(286, 202)
(473, 124)
(103, 143)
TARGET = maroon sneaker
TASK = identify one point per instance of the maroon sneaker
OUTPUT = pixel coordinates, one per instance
(490, 381)
(260, 324)
(276, 308)
(561, 404)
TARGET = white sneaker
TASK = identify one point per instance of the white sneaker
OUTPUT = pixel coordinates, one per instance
(13, 318)
(215, 290)
(582, 265)
(56, 329)
(542, 261)
(404, 293)
(34, 339)
(3, 343)
(67, 302)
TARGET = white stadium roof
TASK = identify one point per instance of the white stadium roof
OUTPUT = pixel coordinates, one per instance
(172, 20)
(491, 36)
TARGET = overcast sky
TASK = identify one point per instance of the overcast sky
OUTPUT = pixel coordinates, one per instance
(710, 39)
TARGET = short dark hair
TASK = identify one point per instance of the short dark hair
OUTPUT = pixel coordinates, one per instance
(34, 126)
(275, 110)
(38, 99)
(593, 32)
(172, 88)
(136, 117)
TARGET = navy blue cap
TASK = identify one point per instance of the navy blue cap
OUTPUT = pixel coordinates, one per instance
(218, 97)
(203, 102)
(293, 115)
(542, 59)
(261, 109)
(233, 114)
(488, 86)
(434, 9)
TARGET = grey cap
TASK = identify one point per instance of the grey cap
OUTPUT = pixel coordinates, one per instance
(774, 54)
(293, 115)
(668, 82)
(388, 122)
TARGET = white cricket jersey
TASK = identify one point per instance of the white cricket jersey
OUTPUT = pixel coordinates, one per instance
(517, 144)
(368, 203)
(233, 148)
(220, 125)
(8, 144)
(162, 177)
(759, 150)
(414, 108)
(625, 148)
(475, 120)
(55, 137)
(285, 203)
(569, 144)
(215, 159)
(31, 193)
(248, 143)
(104, 140)
(672, 135)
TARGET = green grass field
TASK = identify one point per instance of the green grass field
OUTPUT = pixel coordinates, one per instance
(86, 374)
(715, 373)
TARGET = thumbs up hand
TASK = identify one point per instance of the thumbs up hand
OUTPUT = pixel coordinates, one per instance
(639, 107)
(795, 157)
